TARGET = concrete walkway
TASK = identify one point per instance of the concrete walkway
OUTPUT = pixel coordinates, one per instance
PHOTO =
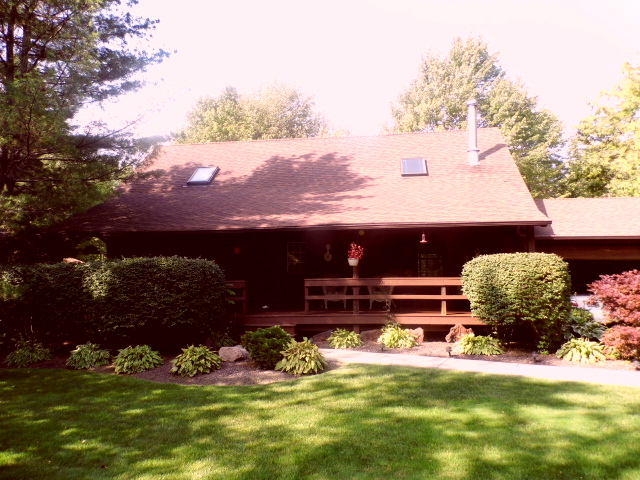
(628, 378)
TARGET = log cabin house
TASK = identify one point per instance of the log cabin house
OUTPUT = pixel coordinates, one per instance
(278, 216)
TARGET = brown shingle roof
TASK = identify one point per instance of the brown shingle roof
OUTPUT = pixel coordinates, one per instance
(323, 182)
(576, 218)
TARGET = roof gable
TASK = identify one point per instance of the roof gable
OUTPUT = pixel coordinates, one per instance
(324, 183)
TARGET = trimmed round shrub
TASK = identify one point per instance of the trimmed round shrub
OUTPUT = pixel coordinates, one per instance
(26, 353)
(301, 358)
(394, 336)
(624, 341)
(480, 345)
(195, 361)
(265, 346)
(137, 359)
(88, 355)
(581, 350)
(341, 338)
(524, 295)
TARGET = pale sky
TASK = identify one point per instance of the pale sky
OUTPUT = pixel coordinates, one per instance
(355, 57)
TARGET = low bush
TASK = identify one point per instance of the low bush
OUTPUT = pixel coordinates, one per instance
(341, 338)
(137, 359)
(195, 361)
(265, 346)
(88, 355)
(619, 296)
(624, 341)
(581, 324)
(525, 296)
(301, 358)
(394, 336)
(581, 350)
(472, 345)
(26, 353)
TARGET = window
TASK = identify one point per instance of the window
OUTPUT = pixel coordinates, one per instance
(414, 166)
(203, 176)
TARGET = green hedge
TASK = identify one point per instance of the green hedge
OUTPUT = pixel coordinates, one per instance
(520, 293)
(76, 301)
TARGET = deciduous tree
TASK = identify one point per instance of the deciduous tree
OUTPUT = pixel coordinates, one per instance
(436, 100)
(57, 56)
(275, 111)
(605, 152)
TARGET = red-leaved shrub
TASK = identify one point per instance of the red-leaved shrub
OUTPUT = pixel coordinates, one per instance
(624, 340)
(620, 296)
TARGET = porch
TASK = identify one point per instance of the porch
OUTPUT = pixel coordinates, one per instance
(362, 303)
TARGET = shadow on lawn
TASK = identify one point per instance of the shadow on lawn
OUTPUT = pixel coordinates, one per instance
(358, 422)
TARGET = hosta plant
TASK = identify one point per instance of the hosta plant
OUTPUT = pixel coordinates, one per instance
(471, 345)
(26, 353)
(581, 350)
(581, 324)
(341, 338)
(301, 358)
(137, 359)
(394, 336)
(88, 355)
(195, 361)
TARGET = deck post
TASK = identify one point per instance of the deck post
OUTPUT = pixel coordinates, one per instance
(306, 302)
(356, 291)
(443, 307)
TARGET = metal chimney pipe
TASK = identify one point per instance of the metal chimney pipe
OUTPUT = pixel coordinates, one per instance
(473, 133)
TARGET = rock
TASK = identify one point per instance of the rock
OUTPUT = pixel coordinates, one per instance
(418, 333)
(456, 333)
(71, 260)
(233, 354)
(371, 335)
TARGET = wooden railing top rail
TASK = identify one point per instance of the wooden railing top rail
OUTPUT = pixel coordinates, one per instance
(385, 281)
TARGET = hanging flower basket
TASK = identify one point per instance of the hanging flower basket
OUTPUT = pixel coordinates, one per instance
(355, 254)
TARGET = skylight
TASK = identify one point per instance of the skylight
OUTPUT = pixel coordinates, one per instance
(414, 166)
(203, 176)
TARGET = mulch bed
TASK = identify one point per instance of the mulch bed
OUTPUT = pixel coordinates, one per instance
(246, 372)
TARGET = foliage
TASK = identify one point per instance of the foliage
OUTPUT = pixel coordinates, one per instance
(88, 355)
(275, 111)
(472, 345)
(265, 345)
(581, 350)
(195, 361)
(301, 358)
(619, 296)
(355, 251)
(341, 338)
(137, 359)
(92, 249)
(605, 151)
(624, 341)
(26, 353)
(581, 324)
(394, 336)
(526, 293)
(57, 57)
(222, 339)
(436, 100)
(68, 301)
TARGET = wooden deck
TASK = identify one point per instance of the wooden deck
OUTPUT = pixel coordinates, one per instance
(412, 302)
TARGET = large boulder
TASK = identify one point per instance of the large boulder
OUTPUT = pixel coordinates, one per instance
(457, 332)
(233, 354)
(418, 333)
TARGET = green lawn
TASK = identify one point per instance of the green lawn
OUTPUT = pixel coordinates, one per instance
(357, 422)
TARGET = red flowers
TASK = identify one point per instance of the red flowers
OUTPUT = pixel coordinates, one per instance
(355, 251)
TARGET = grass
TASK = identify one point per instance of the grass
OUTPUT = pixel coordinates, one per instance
(358, 422)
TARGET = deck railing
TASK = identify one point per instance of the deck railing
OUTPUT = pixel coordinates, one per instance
(381, 289)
